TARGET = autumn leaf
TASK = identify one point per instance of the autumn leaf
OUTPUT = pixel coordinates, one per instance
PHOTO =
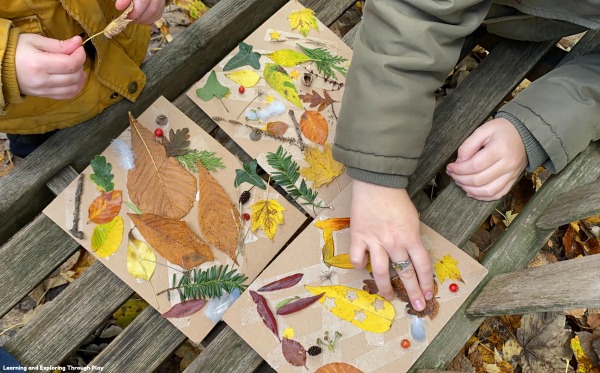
(288, 57)
(102, 175)
(246, 78)
(323, 169)
(369, 312)
(178, 142)
(141, 260)
(105, 207)
(314, 126)
(316, 100)
(282, 83)
(107, 237)
(447, 268)
(338, 368)
(328, 249)
(184, 309)
(213, 88)
(584, 365)
(218, 216)
(267, 214)
(432, 306)
(244, 57)
(303, 20)
(249, 175)
(276, 128)
(116, 26)
(173, 239)
(340, 261)
(328, 226)
(293, 352)
(158, 184)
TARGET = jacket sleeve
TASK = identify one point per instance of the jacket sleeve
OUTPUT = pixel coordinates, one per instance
(8, 74)
(559, 114)
(403, 52)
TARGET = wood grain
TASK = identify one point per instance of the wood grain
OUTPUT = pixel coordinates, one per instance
(576, 204)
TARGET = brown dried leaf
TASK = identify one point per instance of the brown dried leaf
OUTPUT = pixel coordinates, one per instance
(293, 352)
(338, 368)
(432, 306)
(314, 126)
(158, 184)
(277, 128)
(178, 142)
(217, 214)
(572, 248)
(105, 207)
(323, 169)
(119, 23)
(316, 100)
(173, 239)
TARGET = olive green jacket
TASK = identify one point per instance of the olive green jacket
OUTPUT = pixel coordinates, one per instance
(404, 51)
(112, 66)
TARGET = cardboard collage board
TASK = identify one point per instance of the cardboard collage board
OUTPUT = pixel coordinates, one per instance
(368, 350)
(257, 251)
(230, 112)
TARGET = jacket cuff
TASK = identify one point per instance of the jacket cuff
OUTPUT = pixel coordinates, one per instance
(536, 155)
(386, 180)
(10, 85)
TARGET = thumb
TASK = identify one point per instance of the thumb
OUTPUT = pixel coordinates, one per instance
(122, 4)
(57, 46)
(473, 144)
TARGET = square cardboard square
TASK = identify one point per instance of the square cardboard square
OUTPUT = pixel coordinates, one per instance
(230, 113)
(259, 249)
(368, 351)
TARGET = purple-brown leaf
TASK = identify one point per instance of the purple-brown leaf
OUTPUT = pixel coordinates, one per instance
(284, 283)
(265, 312)
(298, 305)
(293, 352)
(184, 309)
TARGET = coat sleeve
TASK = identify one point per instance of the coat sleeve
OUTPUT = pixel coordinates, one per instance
(559, 114)
(8, 74)
(403, 52)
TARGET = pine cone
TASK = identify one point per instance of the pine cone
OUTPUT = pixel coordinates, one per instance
(245, 197)
(314, 350)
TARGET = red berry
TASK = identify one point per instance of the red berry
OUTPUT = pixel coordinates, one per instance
(158, 132)
(405, 343)
(453, 287)
(246, 216)
(241, 89)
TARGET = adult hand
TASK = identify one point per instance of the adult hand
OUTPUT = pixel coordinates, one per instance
(490, 161)
(48, 67)
(385, 224)
(145, 12)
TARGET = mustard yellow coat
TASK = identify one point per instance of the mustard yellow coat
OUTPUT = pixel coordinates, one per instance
(113, 70)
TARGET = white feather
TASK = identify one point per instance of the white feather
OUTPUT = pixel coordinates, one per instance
(124, 152)
(274, 109)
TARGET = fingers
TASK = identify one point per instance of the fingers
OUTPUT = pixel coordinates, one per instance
(481, 178)
(358, 253)
(492, 191)
(64, 64)
(49, 45)
(64, 92)
(60, 80)
(122, 4)
(381, 272)
(473, 144)
(424, 270)
(483, 159)
(145, 11)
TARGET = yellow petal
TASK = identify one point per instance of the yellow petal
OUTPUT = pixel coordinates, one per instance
(107, 237)
(294, 74)
(247, 78)
(141, 260)
(288, 333)
(447, 268)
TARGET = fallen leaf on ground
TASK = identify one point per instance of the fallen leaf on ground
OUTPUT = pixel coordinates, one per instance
(323, 169)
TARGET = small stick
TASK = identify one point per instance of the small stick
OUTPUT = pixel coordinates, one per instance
(302, 146)
(75, 229)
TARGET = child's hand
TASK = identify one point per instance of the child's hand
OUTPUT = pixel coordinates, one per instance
(385, 223)
(49, 67)
(490, 161)
(145, 12)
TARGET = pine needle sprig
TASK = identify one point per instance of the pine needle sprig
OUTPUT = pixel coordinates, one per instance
(325, 61)
(209, 284)
(208, 159)
(287, 175)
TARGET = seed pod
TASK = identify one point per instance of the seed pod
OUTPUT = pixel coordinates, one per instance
(307, 79)
(245, 197)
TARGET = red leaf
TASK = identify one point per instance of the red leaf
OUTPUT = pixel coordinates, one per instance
(284, 283)
(265, 312)
(298, 305)
(184, 309)
(293, 352)
(105, 207)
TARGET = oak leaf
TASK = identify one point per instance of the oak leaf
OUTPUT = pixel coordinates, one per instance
(267, 214)
(314, 126)
(178, 142)
(323, 169)
(105, 207)
(338, 368)
(102, 176)
(107, 237)
(141, 260)
(158, 184)
(304, 20)
(447, 268)
(314, 99)
(173, 239)
(218, 216)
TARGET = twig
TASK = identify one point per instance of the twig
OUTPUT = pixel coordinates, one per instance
(11, 327)
(298, 131)
(288, 140)
(75, 228)
(259, 93)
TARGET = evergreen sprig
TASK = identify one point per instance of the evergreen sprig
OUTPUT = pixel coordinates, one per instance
(209, 284)
(287, 175)
(325, 61)
(208, 159)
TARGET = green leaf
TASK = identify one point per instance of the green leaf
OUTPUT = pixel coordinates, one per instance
(134, 208)
(325, 61)
(244, 57)
(289, 57)
(102, 175)
(212, 88)
(249, 175)
(208, 159)
(281, 82)
(107, 237)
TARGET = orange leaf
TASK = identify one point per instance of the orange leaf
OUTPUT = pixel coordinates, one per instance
(338, 368)
(570, 241)
(335, 224)
(314, 126)
(158, 184)
(173, 239)
(105, 207)
(277, 128)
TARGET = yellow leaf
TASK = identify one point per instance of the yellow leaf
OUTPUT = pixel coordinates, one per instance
(509, 217)
(267, 215)
(289, 57)
(328, 226)
(280, 81)
(335, 224)
(247, 78)
(288, 333)
(328, 249)
(303, 20)
(107, 237)
(275, 35)
(511, 349)
(369, 312)
(447, 269)
(340, 261)
(323, 168)
(294, 74)
(141, 260)
(584, 364)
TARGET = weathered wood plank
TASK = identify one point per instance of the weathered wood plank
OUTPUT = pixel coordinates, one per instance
(436, 371)
(527, 290)
(142, 347)
(512, 252)
(573, 205)
(70, 318)
(455, 117)
(62, 180)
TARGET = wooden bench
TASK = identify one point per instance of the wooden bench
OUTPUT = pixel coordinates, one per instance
(33, 246)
